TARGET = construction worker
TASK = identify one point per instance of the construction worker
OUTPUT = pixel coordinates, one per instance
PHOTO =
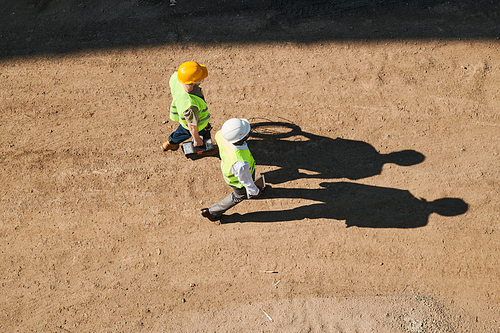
(188, 106)
(238, 167)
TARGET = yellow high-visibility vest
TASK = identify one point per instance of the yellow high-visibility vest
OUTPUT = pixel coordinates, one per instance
(229, 156)
(182, 100)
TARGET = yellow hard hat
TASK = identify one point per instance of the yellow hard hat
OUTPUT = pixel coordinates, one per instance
(191, 72)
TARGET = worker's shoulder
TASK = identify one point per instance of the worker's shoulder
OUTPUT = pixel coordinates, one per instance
(173, 80)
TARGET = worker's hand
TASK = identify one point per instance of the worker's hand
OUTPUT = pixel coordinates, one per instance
(197, 141)
(258, 194)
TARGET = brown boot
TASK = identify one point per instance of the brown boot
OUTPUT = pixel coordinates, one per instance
(206, 213)
(170, 146)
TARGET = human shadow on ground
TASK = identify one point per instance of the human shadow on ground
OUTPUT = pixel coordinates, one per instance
(359, 205)
(299, 154)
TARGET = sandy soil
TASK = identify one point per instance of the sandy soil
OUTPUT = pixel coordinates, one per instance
(381, 155)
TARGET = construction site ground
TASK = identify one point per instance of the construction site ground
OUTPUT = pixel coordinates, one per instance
(376, 125)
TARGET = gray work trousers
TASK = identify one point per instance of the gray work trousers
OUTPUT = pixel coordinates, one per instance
(237, 196)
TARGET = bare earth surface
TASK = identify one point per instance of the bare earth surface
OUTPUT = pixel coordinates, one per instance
(381, 154)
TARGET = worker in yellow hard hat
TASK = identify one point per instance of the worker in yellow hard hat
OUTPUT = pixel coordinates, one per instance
(188, 106)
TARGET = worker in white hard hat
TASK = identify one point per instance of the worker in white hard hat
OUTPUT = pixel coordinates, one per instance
(188, 106)
(238, 167)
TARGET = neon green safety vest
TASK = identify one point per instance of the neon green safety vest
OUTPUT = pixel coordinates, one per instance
(182, 100)
(229, 156)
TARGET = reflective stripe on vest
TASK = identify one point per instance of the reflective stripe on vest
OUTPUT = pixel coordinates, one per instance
(229, 156)
(181, 101)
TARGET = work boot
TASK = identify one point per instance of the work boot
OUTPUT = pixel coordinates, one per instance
(206, 213)
(170, 146)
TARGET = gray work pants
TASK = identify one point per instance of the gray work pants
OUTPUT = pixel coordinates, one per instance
(237, 196)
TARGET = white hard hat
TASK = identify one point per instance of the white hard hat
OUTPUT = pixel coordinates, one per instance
(235, 129)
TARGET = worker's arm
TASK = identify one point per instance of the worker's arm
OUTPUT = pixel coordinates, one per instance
(192, 118)
(242, 171)
(196, 136)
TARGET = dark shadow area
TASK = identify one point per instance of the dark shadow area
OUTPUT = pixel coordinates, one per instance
(29, 27)
(299, 154)
(359, 205)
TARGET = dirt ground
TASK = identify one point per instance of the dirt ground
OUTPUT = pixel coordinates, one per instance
(378, 136)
